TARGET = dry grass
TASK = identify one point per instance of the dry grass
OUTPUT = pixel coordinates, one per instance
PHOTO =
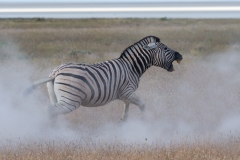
(46, 43)
(98, 36)
(74, 150)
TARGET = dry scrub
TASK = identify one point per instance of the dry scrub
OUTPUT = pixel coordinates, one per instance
(74, 150)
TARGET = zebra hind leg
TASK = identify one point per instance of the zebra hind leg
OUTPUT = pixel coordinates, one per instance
(60, 106)
(53, 99)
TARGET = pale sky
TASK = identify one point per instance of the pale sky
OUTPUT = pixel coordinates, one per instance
(94, 1)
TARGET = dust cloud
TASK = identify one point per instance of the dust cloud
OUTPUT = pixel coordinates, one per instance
(200, 99)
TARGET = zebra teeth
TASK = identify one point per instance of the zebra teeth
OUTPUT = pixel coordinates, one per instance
(178, 61)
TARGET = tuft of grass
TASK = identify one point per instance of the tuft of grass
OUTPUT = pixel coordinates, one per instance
(164, 19)
(79, 52)
(40, 19)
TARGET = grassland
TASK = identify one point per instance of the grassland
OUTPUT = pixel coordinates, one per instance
(41, 38)
(121, 151)
(46, 43)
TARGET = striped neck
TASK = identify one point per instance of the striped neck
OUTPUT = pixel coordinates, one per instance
(139, 59)
(138, 62)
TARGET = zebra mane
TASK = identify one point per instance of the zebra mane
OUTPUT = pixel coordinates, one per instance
(144, 41)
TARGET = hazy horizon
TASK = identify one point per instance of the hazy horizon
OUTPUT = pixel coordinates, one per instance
(109, 1)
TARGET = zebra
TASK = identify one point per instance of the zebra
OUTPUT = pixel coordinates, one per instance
(72, 85)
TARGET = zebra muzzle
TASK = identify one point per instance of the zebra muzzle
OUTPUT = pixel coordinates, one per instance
(178, 57)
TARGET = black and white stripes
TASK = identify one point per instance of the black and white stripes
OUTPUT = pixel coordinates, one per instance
(94, 85)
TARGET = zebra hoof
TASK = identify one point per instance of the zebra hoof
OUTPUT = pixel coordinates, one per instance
(121, 121)
(141, 115)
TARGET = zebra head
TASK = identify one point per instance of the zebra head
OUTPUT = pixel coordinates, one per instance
(163, 56)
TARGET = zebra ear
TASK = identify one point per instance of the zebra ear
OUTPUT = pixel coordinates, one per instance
(150, 46)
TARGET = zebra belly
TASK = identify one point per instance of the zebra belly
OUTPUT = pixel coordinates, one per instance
(87, 103)
(78, 93)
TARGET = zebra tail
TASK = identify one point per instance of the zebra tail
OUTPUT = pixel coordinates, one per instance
(37, 83)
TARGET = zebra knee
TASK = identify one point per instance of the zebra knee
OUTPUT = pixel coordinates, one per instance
(140, 103)
(137, 101)
(142, 106)
(134, 99)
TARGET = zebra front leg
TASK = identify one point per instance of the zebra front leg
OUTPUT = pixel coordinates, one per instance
(125, 113)
(134, 99)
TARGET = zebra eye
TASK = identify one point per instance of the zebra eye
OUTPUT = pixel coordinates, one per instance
(165, 48)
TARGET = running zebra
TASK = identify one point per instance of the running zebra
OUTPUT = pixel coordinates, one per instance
(91, 85)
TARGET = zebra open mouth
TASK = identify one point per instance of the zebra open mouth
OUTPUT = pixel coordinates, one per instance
(178, 57)
(171, 68)
(179, 61)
